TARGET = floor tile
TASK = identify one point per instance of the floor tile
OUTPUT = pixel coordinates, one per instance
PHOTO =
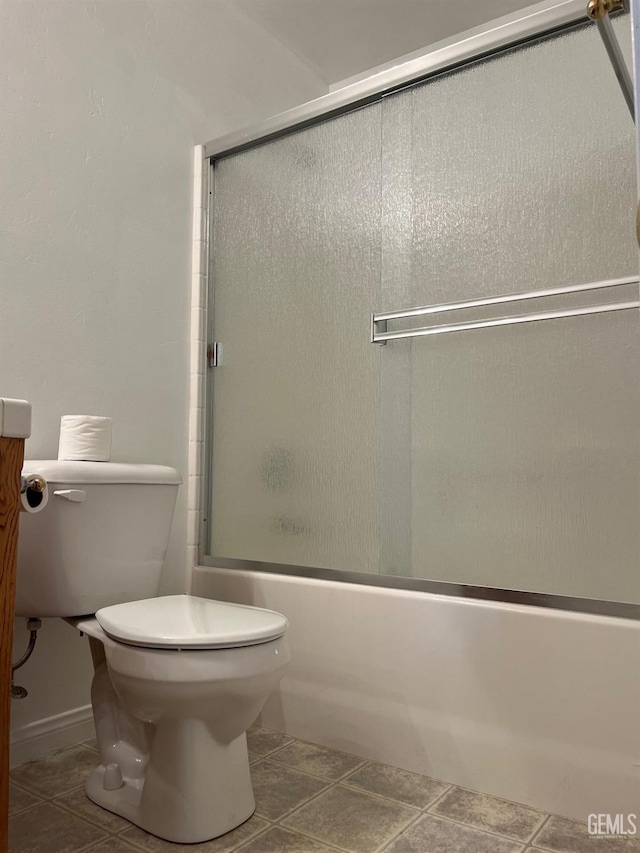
(20, 800)
(47, 829)
(278, 840)
(263, 741)
(78, 803)
(114, 844)
(317, 760)
(409, 788)
(223, 844)
(484, 812)
(325, 802)
(58, 773)
(352, 820)
(560, 835)
(435, 835)
(280, 789)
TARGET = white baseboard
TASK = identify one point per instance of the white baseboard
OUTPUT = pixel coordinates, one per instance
(37, 739)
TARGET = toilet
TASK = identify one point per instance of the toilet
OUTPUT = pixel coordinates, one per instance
(178, 679)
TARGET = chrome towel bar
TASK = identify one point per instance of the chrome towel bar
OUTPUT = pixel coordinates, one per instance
(379, 322)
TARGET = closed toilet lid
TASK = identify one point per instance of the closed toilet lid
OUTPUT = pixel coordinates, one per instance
(189, 622)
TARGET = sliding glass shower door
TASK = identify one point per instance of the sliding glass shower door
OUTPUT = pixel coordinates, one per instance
(497, 456)
(522, 440)
(295, 414)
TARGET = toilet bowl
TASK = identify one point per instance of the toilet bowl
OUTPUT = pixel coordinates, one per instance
(171, 718)
(178, 679)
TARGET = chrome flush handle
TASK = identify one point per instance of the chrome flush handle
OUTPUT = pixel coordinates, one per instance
(76, 495)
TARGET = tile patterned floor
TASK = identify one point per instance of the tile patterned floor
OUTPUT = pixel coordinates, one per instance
(308, 800)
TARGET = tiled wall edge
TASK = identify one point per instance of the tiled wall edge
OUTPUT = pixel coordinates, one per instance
(198, 338)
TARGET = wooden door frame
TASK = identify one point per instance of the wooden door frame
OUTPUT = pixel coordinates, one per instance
(15, 426)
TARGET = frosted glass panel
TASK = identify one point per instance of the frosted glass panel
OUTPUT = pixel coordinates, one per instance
(527, 475)
(504, 457)
(296, 271)
(521, 176)
(524, 440)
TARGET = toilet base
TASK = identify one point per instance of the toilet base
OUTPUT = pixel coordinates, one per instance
(194, 789)
(171, 732)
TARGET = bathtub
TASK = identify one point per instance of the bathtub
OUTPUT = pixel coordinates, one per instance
(535, 705)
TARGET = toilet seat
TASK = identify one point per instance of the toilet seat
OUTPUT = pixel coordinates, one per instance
(190, 622)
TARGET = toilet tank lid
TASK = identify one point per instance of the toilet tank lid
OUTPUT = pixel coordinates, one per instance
(91, 473)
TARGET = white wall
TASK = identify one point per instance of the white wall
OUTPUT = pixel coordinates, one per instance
(342, 38)
(533, 705)
(100, 107)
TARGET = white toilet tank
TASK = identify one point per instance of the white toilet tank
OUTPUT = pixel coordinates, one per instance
(103, 542)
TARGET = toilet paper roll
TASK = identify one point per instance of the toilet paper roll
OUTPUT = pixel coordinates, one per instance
(85, 438)
(34, 494)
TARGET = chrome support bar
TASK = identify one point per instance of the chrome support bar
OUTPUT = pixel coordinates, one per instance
(620, 69)
(379, 322)
(599, 11)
